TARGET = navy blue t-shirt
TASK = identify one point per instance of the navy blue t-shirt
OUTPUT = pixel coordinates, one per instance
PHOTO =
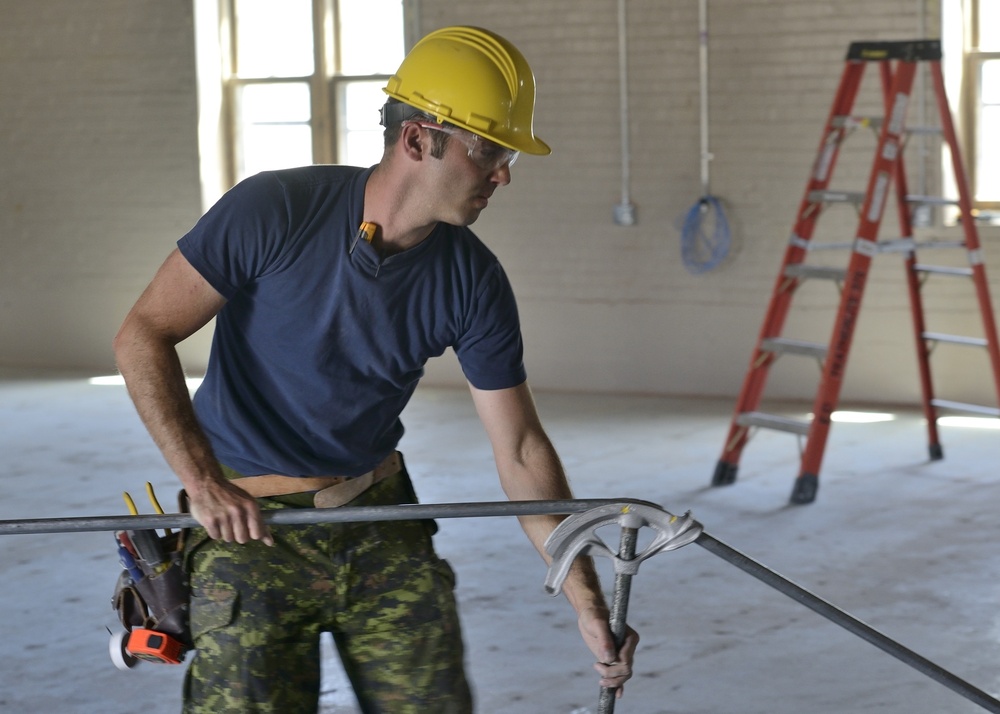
(318, 349)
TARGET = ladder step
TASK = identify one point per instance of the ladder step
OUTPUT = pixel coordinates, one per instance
(931, 200)
(927, 130)
(798, 270)
(773, 421)
(783, 345)
(840, 120)
(940, 244)
(955, 339)
(889, 245)
(906, 245)
(858, 197)
(962, 407)
(829, 245)
(876, 123)
(829, 196)
(943, 270)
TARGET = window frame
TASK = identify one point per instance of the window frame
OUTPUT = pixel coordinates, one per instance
(969, 105)
(326, 83)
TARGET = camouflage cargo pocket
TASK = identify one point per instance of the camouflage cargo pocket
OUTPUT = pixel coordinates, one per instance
(212, 610)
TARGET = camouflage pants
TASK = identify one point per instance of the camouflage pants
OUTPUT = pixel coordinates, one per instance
(257, 613)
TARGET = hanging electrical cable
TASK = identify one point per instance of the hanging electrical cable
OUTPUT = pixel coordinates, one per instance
(705, 235)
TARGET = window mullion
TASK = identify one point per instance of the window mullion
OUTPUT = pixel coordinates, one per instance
(324, 147)
(227, 36)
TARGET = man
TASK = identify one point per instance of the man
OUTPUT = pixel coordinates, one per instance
(332, 286)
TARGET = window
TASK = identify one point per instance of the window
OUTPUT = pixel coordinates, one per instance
(972, 59)
(982, 65)
(293, 82)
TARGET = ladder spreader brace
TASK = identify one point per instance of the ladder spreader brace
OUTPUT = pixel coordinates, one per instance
(897, 62)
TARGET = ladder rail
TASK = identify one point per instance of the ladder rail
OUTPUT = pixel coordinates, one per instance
(969, 227)
(913, 287)
(883, 170)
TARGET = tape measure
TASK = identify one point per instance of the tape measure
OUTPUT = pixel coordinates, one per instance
(153, 646)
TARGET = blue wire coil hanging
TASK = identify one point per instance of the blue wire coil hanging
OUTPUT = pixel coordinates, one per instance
(705, 236)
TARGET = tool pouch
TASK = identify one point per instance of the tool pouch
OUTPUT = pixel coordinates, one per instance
(158, 601)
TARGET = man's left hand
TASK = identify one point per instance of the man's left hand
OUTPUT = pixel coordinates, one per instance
(614, 666)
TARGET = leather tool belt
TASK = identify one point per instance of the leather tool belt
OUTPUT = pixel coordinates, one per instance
(330, 491)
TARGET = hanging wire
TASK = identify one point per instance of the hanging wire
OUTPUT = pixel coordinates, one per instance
(705, 235)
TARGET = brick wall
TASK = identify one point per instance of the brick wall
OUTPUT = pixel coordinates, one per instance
(99, 168)
(99, 177)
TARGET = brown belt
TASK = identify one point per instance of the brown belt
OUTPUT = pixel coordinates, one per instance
(331, 491)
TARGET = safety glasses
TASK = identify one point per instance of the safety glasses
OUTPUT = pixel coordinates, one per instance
(484, 153)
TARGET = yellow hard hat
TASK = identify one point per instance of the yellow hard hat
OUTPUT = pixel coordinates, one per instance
(474, 79)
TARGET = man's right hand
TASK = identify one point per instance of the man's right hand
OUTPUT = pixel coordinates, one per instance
(229, 514)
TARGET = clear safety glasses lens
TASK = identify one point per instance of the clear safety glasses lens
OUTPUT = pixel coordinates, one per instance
(484, 153)
(489, 155)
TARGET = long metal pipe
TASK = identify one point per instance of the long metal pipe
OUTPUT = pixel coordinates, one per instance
(303, 516)
(306, 516)
(706, 155)
(623, 102)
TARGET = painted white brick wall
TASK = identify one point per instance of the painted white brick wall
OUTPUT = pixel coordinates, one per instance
(99, 168)
(99, 178)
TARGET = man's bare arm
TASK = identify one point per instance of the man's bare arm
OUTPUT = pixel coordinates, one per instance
(177, 303)
(530, 469)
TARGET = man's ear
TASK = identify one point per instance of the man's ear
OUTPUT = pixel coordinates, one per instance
(414, 142)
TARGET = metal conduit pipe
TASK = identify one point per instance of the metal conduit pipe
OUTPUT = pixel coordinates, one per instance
(303, 516)
(922, 214)
(706, 154)
(624, 212)
(308, 516)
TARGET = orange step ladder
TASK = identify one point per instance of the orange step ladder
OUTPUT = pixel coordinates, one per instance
(897, 63)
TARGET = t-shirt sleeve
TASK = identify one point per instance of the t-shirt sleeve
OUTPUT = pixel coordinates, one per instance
(237, 239)
(490, 350)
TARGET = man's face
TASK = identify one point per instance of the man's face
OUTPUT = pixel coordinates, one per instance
(469, 171)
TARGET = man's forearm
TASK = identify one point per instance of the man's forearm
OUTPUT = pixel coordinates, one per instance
(541, 477)
(156, 384)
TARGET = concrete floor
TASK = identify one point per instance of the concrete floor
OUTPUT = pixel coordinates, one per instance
(906, 545)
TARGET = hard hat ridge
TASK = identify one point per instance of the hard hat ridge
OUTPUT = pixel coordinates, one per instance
(491, 46)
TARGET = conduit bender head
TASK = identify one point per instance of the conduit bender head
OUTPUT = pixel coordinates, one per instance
(577, 535)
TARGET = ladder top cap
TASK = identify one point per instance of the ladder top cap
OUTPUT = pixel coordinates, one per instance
(908, 51)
